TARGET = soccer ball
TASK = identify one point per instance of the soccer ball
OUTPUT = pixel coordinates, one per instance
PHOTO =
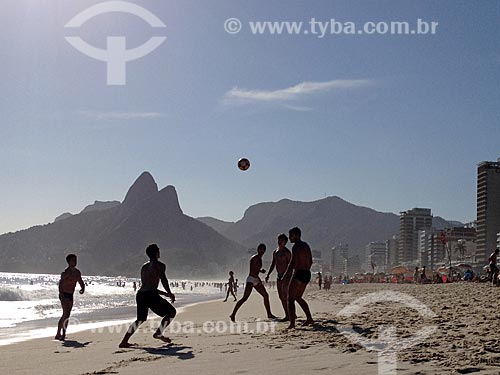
(243, 164)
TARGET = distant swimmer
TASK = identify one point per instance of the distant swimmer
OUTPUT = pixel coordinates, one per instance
(231, 286)
(281, 259)
(300, 272)
(67, 285)
(253, 281)
(148, 297)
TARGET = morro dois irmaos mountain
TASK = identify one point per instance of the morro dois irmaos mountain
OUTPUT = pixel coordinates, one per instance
(111, 241)
(110, 237)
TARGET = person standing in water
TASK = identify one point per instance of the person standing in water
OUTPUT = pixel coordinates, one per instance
(148, 297)
(67, 285)
(253, 281)
(281, 259)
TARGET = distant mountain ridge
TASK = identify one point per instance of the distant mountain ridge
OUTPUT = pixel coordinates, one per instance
(324, 223)
(112, 241)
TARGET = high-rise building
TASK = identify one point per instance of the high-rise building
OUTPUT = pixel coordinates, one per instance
(411, 222)
(353, 265)
(391, 246)
(488, 208)
(376, 256)
(340, 253)
(431, 251)
(317, 265)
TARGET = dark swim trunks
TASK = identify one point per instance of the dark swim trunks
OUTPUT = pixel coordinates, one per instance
(151, 299)
(304, 276)
(66, 297)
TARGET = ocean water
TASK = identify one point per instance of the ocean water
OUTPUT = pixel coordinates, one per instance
(29, 304)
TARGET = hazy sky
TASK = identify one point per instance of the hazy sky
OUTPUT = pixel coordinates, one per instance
(385, 121)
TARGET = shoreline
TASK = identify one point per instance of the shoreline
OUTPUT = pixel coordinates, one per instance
(45, 328)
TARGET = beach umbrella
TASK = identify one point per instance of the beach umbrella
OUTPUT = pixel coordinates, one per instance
(399, 270)
(464, 265)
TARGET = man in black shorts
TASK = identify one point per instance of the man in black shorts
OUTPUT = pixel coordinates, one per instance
(299, 270)
(148, 297)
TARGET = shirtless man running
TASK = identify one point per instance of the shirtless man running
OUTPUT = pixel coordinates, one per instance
(300, 272)
(281, 259)
(148, 297)
(253, 281)
(67, 285)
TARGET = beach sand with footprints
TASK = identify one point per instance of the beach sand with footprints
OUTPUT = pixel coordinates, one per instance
(465, 339)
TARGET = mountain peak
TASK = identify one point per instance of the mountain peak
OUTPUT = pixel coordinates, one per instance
(143, 188)
(169, 199)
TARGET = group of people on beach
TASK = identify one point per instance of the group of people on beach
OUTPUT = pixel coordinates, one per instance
(293, 269)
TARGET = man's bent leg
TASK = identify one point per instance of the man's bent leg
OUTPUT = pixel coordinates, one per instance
(282, 293)
(246, 294)
(131, 330)
(261, 289)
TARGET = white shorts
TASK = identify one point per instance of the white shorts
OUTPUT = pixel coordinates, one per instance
(253, 280)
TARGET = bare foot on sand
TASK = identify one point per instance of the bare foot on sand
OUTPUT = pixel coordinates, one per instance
(233, 318)
(272, 317)
(308, 323)
(162, 338)
(126, 345)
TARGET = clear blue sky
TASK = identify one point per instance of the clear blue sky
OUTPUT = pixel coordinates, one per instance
(409, 123)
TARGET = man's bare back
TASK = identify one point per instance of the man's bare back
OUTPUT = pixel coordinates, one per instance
(151, 274)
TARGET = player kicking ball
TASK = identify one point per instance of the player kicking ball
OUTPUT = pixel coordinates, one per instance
(148, 297)
(253, 281)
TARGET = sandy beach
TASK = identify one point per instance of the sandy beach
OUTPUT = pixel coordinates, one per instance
(465, 339)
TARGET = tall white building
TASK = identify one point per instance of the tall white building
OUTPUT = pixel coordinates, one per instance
(340, 254)
(376, 256)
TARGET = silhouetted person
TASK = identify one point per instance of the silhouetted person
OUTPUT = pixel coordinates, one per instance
(230, 286)
(300, 271)
(493, 266)
(281, 259)
(148, 297)
(253, 281)
(320, 280)
(67, 284)
(423, 277)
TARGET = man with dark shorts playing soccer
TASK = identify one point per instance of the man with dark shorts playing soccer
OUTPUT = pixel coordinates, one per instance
(148, 297)
(299, 270)
(67, 285)
(281, 259)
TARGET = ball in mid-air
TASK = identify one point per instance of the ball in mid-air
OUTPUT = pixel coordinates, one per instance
(243, 164)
